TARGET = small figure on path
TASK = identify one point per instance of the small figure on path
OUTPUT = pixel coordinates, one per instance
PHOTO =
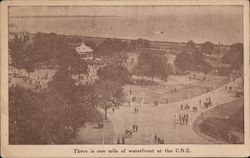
(195, 109)
(166, 100)
(181, 107)
(133, 126)
(186, 119)
(113, 109)
(136, 128)
(123, 140)
(181, 119)
(175, 118)
(155, 137)
(158, 140)
(207, 90)
(202, 115)
(118, 140)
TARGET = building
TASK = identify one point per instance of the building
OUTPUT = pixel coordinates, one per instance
(85, 52)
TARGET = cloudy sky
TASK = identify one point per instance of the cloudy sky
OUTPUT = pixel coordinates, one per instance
(166, 23)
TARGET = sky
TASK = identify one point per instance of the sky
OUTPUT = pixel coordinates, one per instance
(164, 23)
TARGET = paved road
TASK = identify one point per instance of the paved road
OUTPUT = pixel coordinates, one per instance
(160, 120)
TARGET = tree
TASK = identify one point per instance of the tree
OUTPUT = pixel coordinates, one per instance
(62, 82)
(21, 55)
(184, 61)
(37, 118)
(191, 59)
(152, 64)
(190, 46)
(108, 94)
(90, 44)
(207, 47)
(235, 56)
(46, 117)
(205, 67)
(110, 46)
(117, 74)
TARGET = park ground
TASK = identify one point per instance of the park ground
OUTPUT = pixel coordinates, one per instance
(179, 89)
(160, 120)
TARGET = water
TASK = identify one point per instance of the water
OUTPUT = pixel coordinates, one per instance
(199, 28)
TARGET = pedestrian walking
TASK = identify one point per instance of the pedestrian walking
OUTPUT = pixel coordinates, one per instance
(186, 107)
(135, 110)
(166, 100)
(158, 140)
(180, 119)
(186, 119)
(118, 141)
(175, 118)
(123, 140)
(181, 107)
(175, 90)
(136, 128)
(113, 109)
(162, 141)
(133, 126)
(202, 115)
(207, 90)
(155, 137)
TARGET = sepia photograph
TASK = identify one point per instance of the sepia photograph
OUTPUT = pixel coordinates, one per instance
(126, 75)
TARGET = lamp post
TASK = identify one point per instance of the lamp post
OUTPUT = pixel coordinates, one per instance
(214, 84)
(189, 92)
(103, 140)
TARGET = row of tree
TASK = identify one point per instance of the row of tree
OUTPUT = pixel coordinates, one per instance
(193, 59)
(111, 46)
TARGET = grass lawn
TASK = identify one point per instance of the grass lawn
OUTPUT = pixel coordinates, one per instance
(161, 91)
(222, 119)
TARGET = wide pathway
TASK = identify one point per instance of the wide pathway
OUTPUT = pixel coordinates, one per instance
(161, 121)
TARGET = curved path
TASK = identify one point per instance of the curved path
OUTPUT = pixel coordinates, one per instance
(160, 120)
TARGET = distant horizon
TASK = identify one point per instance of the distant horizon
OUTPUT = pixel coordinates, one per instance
(184, 42)
(154, 23)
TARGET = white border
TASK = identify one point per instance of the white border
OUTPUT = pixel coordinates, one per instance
(67, 150)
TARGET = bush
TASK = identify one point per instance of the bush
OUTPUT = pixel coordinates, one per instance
(144, 82)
